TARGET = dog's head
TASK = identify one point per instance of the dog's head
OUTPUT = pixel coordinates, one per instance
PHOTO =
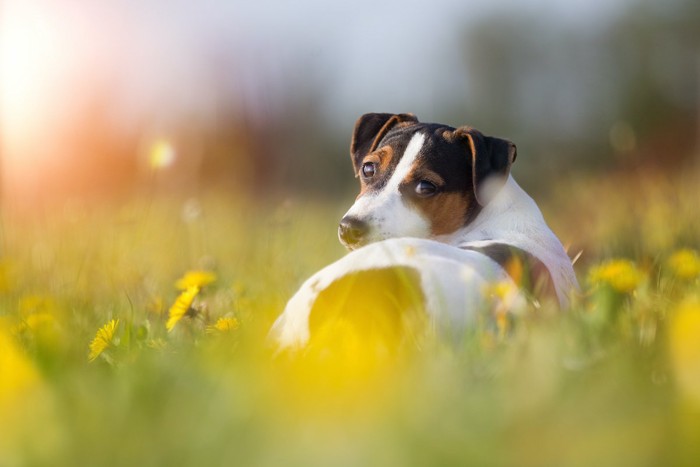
(420, 179)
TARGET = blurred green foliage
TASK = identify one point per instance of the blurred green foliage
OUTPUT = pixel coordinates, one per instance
(611, 382)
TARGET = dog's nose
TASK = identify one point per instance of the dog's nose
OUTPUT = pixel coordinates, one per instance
(351, 230)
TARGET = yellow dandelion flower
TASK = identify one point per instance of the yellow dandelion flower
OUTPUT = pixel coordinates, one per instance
(103, 339)
(197, 279)
(684, 342)
(685, 264)
(223, 325)
(620, 274)
(181, 307)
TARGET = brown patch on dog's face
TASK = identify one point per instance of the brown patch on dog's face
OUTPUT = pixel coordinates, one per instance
(446, 168)
(386, 156)
(446, 212)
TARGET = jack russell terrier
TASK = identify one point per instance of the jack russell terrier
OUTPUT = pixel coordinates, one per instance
(440, 211)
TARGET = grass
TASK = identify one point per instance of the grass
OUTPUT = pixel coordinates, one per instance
(615, 381)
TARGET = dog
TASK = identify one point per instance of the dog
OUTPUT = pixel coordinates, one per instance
(440, 215)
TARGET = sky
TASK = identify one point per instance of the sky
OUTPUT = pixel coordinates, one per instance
(161, 59)
(160, 54)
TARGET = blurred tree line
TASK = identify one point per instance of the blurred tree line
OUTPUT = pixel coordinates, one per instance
(620, 93)
(623, 92)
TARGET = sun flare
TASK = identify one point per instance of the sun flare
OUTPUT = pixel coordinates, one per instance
(30, 48)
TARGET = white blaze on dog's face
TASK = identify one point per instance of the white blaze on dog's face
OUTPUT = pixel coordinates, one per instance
(385, 210)
(418, 180)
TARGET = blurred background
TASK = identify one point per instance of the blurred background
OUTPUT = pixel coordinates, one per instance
(98, 99)
(151, 140)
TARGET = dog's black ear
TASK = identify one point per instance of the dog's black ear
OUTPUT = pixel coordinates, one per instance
(491, 159)
(369, 131)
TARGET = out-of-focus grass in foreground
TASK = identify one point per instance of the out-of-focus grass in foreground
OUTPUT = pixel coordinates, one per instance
(135, 335)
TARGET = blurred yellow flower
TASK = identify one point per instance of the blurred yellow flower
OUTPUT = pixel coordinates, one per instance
(503, 290)
(36, 322)
(685, 264)
(506, 292)
(103, 339)
(620, 274)
(506, 296)
(684, 342)
(181, 306)
(17, 374)
(197, 279)
(36, 304)
(224, 325)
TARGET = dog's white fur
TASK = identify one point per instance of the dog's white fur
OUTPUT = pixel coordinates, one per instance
(453, 279)
(513, 218)
(386, 211)
(453, 282)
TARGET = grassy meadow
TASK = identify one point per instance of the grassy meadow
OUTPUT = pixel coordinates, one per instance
(133, 333)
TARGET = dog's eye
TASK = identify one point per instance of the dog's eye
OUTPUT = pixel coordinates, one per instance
(368, 169)
(425, 188)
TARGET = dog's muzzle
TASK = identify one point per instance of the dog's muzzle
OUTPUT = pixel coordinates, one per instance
(352, 231)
